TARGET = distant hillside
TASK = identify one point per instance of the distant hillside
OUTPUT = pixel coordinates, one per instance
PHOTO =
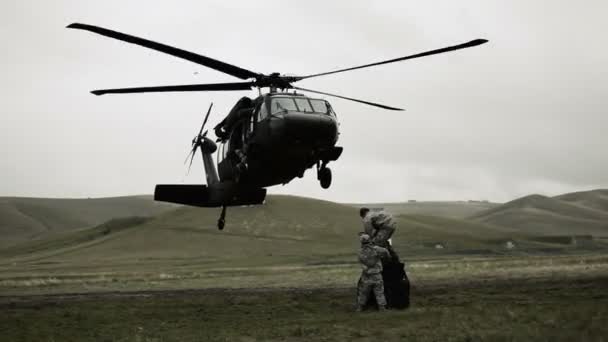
(451, 209)
(59, 242)
(575, 213)
(23, 218)
(594, 199)
(285, 229)
(311, 224)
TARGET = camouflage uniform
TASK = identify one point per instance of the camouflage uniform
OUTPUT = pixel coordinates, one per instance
(380, 226)
(371, 276)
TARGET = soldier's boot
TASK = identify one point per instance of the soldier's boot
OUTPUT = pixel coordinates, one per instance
(381, 307)
(359, 308)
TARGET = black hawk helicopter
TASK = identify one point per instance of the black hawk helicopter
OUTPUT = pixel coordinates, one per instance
(264, 141)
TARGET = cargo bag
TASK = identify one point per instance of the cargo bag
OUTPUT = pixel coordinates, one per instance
(396, 287)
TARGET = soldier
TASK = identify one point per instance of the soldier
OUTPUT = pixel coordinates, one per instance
(371, 275)
(380, 226)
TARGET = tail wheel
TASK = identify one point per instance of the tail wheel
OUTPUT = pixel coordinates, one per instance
(325, 177)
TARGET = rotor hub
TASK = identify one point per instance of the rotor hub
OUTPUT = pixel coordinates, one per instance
(274, 80)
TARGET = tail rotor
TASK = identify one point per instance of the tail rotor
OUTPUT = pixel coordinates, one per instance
(199, 140)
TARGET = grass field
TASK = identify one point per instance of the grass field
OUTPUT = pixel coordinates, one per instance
(504, 299)
(286, 271)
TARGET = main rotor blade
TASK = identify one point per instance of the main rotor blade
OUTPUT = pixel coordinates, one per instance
(423, 54)
(183, 54)
(205, 121)
(350, 99)
(189, 87)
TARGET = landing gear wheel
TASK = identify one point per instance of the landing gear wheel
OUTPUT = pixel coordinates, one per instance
(325, 177)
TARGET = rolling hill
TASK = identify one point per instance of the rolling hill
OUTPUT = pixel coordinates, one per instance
(287, 229)
(23, 219)
(594, 199)
(568, 214)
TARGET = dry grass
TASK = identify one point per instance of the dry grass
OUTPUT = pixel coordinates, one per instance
(156, 276)
(551, 309)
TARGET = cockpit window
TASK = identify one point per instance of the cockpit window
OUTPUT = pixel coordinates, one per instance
(303, 105)
(330, 110)
(282, 105)
(319, 106)
(263, 113)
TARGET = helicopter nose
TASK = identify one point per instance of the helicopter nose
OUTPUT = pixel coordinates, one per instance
(311, 128)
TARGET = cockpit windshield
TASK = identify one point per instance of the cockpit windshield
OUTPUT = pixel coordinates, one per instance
(299, 104)
(282, 104)
(319, 106)
(303, 105)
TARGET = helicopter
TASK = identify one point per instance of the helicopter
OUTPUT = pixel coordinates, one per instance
(265, 141)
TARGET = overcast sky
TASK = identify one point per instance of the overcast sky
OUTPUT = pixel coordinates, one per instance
(525, 113)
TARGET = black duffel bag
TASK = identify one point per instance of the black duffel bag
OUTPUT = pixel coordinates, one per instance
(396, 287)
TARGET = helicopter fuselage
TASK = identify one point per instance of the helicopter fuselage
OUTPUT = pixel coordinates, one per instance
(276, 140)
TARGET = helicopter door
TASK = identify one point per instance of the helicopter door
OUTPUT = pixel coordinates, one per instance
(224, 173)
(236, 138)
(232, 150)
(261, 126)
(225, 165)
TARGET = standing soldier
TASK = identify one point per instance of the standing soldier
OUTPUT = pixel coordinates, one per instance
(380, 226)
(371, 275)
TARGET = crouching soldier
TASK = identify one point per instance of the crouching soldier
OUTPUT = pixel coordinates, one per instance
(370, 257)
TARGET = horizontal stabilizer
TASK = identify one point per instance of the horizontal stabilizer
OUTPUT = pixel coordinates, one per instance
(221, 194)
